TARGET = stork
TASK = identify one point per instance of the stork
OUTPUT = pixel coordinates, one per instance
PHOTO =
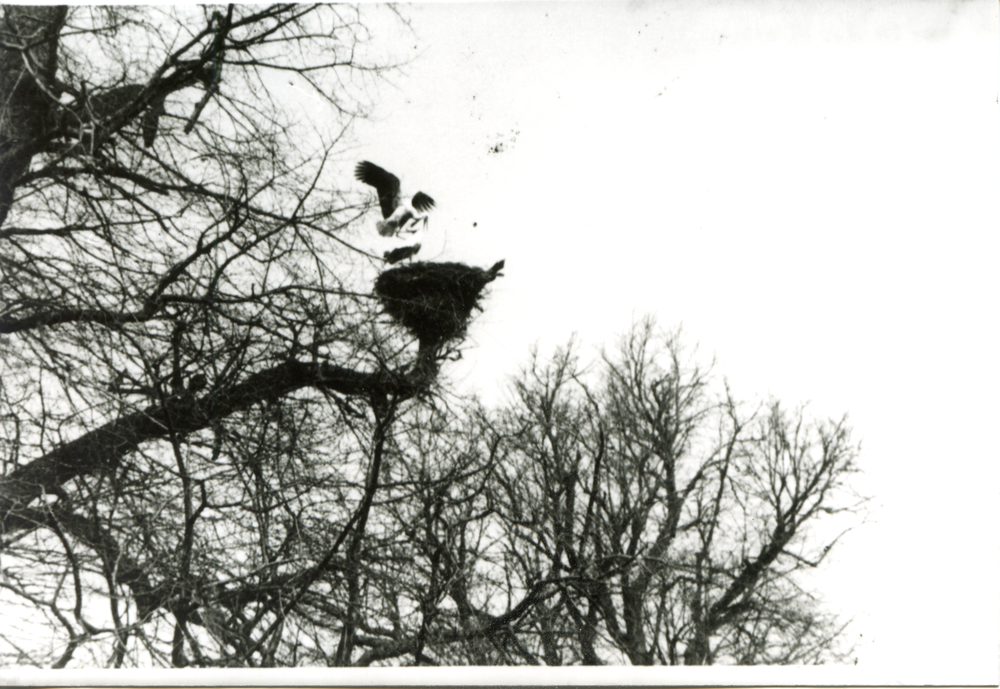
(401, 215)
(400, 254)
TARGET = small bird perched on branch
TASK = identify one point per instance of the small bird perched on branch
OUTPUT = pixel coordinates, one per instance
(401, 215)
(95, 108)
(400, 253)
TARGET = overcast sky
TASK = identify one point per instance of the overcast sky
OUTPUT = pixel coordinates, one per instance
(809, 188)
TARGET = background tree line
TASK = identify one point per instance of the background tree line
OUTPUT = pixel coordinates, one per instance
(216, 452)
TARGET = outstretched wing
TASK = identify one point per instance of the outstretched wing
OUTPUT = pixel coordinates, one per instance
(422, 202)
(385, 183)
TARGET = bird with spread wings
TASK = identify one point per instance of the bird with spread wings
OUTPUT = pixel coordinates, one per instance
(401, 215)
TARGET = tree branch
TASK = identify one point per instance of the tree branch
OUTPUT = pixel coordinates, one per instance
(106, 445)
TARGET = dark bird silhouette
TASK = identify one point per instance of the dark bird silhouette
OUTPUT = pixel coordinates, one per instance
(106, 104)
(400, 253)
(197, 382)
(401, 215)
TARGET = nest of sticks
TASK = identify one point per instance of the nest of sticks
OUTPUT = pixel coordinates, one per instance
(434, 301)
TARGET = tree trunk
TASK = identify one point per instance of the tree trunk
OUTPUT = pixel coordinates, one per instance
(29, 39)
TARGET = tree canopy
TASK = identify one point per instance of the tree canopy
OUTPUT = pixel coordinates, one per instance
(224, 443)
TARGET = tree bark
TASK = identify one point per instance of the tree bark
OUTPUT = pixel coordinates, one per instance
(29, 39)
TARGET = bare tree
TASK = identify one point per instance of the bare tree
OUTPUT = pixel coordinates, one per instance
(198, 388)
(666, 524)
(219, 448)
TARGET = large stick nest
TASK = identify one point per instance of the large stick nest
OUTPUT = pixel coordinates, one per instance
(433, 300)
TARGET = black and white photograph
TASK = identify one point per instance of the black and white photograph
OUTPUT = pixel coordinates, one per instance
(500, 343)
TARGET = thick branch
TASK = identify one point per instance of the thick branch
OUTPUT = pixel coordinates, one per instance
(72, 315)
(106, 445)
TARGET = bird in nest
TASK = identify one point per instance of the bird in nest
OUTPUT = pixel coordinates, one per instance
(400, 253)
(401, 215)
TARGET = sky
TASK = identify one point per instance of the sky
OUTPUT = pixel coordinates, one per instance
(808, 189)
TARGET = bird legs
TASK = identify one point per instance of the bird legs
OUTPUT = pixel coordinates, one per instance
(410, 227)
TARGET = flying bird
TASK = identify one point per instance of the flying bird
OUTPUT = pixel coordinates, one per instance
(400, 253)
(401, 215)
